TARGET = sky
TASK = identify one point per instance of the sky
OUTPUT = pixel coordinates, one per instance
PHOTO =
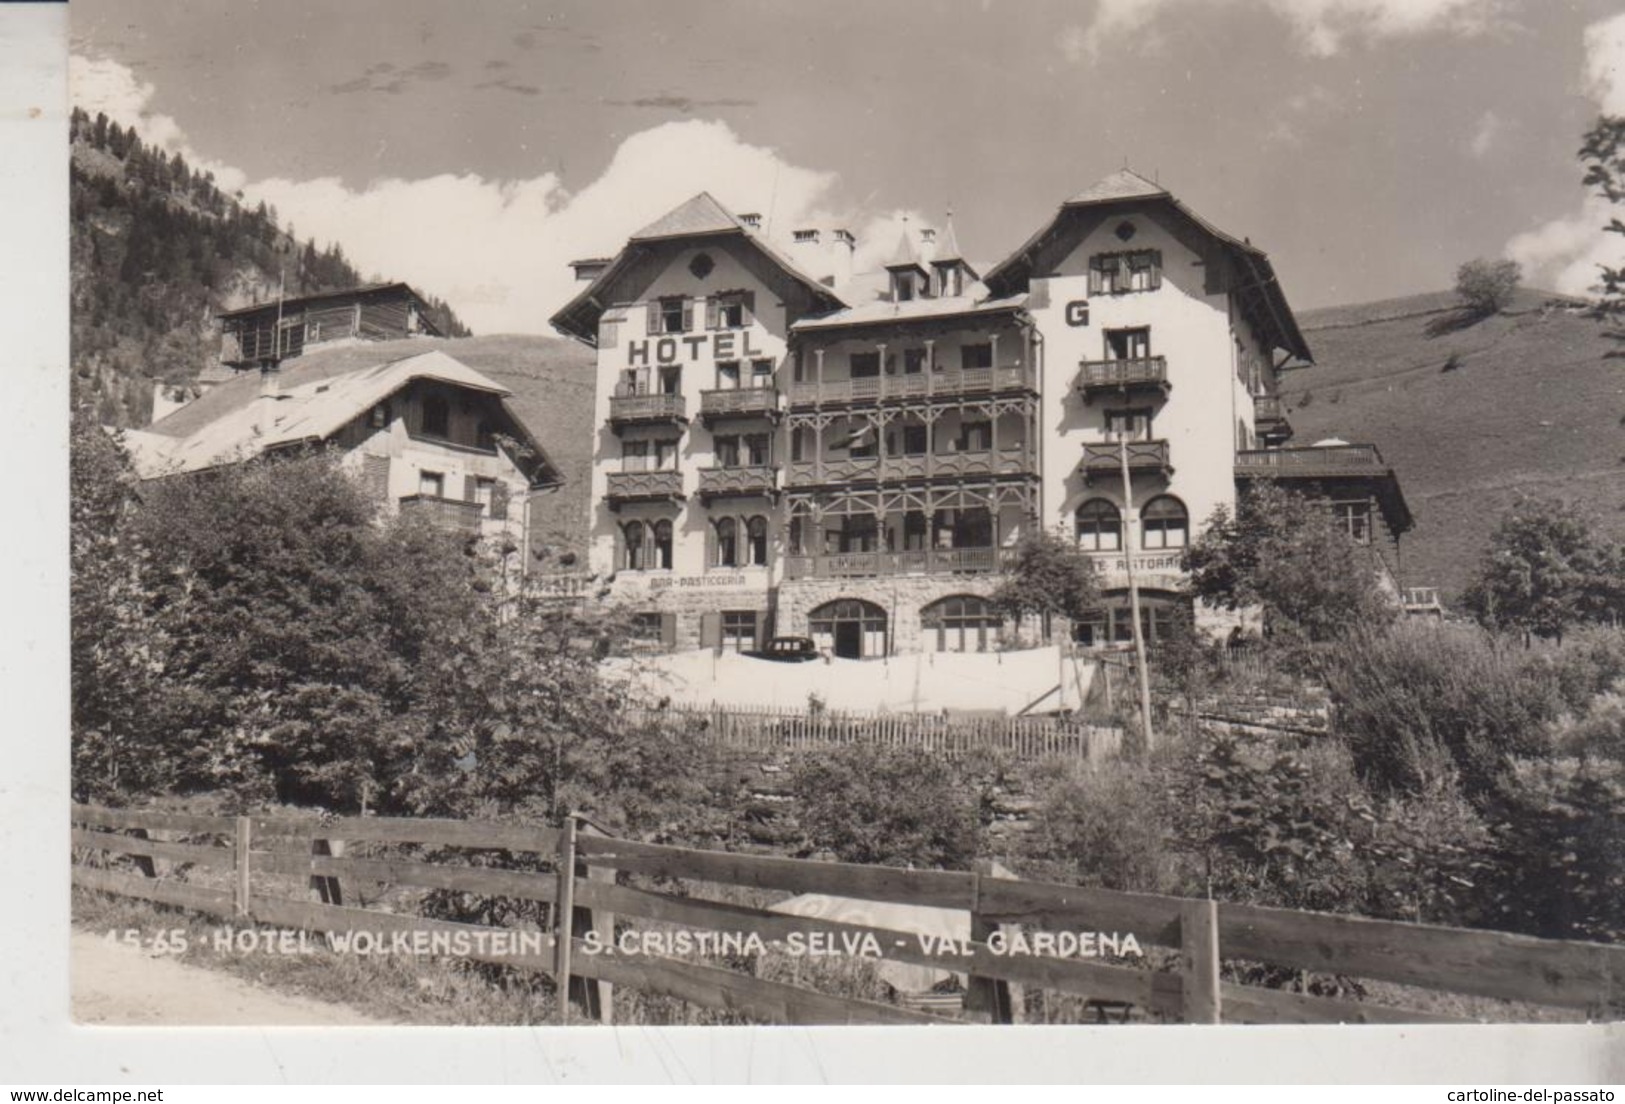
(1370, 146)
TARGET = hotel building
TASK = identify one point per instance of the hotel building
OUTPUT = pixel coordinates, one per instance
(786, 447)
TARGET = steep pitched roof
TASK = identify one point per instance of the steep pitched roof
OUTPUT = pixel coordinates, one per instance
(905, 255)
(948, 251)
(1128, 187)
(699, 217)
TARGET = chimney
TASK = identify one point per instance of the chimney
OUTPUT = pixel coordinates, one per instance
(841, 247)
(752, 221)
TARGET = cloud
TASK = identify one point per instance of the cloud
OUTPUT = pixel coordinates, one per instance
(498, 250)
(384, 77)
(1322, 27)
(685, 104)
(1565, 253)
(105, 86)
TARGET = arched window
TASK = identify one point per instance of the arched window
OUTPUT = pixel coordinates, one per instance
(1100, 526)
(756, 541)
(1110, 625)
(1164, 523)
(635, 549)
(961, 623)
(850, 628)
(661, 555)
(727, 543)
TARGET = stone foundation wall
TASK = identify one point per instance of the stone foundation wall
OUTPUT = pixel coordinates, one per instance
(902, 597)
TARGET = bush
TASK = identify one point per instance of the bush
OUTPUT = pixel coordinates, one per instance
(1419, 703)
(1102, 827)
(1486, 286)
(893, 806)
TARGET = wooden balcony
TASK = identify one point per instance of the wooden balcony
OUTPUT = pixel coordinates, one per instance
(1140, 375)
(1313, 462)
(625, 410)
(933, 561)
(742, 402)
(1104, 459)
(748, 482)
(1017, 460)
(1270, 421)
(452, 514)
(915, 386)
(644, 486)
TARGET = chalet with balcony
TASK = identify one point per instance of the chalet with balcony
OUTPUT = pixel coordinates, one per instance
(783, 445)
(268, 333)
(427, 435)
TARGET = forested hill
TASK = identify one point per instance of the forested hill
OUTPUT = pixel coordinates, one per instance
(157, 250)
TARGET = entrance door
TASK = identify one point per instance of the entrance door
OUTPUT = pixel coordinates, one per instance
(849, 639)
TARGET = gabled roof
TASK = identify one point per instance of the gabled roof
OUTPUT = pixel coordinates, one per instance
(1126, 187)
(911, 310)
(699, 217)
(235, 421)
(325, 296)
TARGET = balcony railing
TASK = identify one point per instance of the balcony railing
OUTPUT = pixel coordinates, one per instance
(1105, 457)
(454, 514)
(739, 402)
(1421, 599)
(914, 386)
(644, 486)
(1017, 460)
(933, 561)
(1135, 374)
(1269, 418)
(635, 409)
(760, 479)
(1314, 461)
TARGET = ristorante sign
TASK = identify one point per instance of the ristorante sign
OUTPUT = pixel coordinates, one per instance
(728, 345)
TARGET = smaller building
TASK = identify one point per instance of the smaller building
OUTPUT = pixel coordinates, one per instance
(267, 333)
(426, 433)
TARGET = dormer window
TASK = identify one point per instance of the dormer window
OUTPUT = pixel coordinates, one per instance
(950, 280)
(902, 284)
(730, 310)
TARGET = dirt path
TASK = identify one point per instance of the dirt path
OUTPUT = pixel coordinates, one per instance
(121, 985)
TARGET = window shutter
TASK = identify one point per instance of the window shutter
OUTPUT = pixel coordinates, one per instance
(471, 491)
(761, 629)
(654, 316)
(1155, 280)
(688, 315)
(749, 307)
(1096, 278)
(375, 475)
(711, 630)
(712, 313)
(712, 545)
(499, 501)
(668, 631)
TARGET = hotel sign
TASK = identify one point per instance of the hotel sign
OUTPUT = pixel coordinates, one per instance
(724, 345)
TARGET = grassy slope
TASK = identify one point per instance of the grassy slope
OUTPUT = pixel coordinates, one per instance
(1534, 402)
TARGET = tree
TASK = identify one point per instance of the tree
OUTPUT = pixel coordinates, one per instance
(1050, 577)
(1487, 286)
(1283, 553)
(1546, 571)
(1603, 155)
(892, 806)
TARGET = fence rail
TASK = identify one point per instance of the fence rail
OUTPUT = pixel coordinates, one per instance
(590, 904)
(766, 728)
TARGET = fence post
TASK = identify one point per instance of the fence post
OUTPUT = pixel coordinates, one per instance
(985, 997)
(597, 997)
(240, 866)
(1199, 961)
(564, 917)
(144, 863)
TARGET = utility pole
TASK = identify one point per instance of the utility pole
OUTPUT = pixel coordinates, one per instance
(1129, 548)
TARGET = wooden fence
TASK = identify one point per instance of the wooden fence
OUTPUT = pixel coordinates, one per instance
(588, 882)
(766, 728)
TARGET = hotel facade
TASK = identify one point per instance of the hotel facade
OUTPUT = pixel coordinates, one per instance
(785, 447)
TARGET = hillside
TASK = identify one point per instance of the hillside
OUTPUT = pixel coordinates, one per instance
(157, 249)
(1470, 414)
